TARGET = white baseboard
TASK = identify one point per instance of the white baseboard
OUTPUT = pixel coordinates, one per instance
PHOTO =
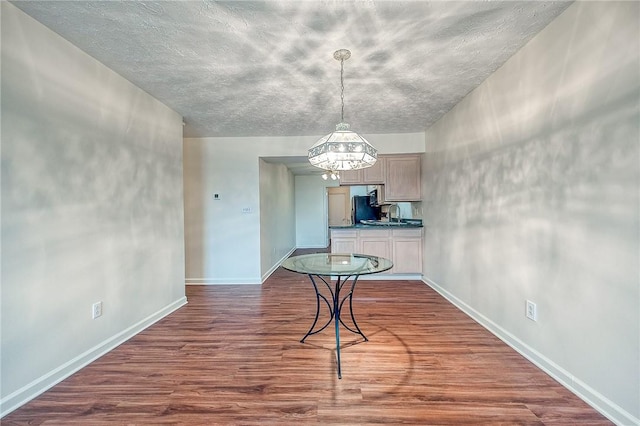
(277, 265)
(47, 381)
(235, 281)
(598, 401)
(221, 281)
(390, 277)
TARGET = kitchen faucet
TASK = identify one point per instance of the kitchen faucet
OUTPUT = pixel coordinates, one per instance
(397, 209)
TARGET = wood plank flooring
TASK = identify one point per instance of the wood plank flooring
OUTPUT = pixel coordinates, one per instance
(233, 356)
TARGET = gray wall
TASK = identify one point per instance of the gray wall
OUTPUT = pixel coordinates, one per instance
(92, 208)
(312, 222)
(532, 191)
(277, 218)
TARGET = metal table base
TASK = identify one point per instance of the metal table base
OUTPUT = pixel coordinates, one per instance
(343, 267)
(335, 308)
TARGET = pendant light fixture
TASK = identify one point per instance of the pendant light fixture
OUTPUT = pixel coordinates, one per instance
(330, 174)
(342, 149)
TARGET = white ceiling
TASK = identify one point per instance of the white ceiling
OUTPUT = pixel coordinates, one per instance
(254, 68)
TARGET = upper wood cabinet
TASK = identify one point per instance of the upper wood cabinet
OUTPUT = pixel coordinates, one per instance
(376, 173)
(351, 177)
(371, 175)
(400, 174)
(403, 178)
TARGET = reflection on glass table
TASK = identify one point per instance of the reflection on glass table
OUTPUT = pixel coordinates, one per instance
(342, 266)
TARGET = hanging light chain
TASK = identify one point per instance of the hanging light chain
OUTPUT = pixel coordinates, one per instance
(342, 88)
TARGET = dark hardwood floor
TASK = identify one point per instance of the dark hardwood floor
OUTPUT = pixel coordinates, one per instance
(233, 356)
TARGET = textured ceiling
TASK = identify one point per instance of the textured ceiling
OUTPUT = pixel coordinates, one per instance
(266, 68)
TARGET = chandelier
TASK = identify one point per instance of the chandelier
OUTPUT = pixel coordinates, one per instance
(342, 149)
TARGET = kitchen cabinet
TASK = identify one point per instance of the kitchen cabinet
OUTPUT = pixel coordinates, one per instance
(371, 175)
(351, 177)
(375, 243)
(402, 246)
(344, 241)
(407, 250)
(403, 178)
(400, 174)
(376, 173)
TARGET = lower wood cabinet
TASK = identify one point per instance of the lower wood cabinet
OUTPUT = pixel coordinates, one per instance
(344, 241)
(407, 255)
(375, 243)
(402, 246)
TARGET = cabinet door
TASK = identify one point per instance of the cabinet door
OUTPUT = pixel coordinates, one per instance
(351, 177)
(375, 243)
(407, 256)
(403, 178)
(375, 173)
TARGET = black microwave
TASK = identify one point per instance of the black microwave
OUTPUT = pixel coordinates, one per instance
(373, 197)
(376, 195)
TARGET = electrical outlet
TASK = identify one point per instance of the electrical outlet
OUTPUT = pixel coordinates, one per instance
(531, 311)
(96, 310)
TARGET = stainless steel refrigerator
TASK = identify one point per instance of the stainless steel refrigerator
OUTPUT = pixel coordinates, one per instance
(362, 210)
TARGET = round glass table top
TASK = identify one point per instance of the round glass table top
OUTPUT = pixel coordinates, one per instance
(337, 264)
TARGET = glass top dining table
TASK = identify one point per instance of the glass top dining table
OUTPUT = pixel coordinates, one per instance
(337, 264)
(342, 267)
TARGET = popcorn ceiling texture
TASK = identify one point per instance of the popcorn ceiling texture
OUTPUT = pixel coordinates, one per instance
(266, 68)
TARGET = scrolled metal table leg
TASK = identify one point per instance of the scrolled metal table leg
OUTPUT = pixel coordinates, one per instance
(337, 321)
(353, 318)
(318, 297)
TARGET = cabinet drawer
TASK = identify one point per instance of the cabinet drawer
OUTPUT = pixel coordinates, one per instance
(376, 233)
(413, 232)
(344, 245)
(351, 233)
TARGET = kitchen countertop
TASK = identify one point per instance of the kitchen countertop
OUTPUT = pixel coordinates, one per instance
(380, 225)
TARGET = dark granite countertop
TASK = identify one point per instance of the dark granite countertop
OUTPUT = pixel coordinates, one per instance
(404, 224)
